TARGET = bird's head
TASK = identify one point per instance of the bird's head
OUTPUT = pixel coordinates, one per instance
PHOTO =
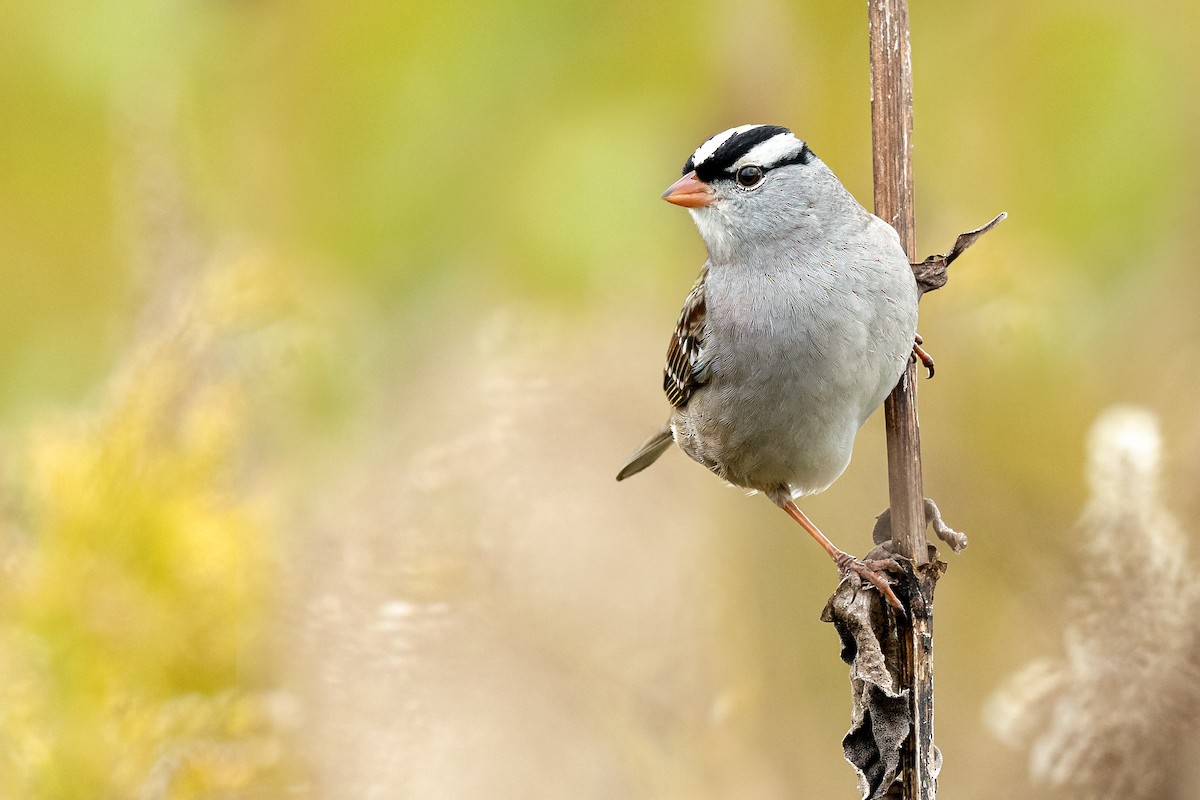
(748, 185)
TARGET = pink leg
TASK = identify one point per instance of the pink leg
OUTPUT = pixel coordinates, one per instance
(844, 561)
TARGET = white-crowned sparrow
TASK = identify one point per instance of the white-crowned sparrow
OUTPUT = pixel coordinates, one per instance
(801, 323)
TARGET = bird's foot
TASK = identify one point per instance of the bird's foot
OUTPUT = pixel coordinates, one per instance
(924, 357)
(872, 571)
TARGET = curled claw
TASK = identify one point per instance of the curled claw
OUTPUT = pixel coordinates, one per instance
(924, 357)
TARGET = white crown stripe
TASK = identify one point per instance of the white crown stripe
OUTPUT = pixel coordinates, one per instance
(770, 152)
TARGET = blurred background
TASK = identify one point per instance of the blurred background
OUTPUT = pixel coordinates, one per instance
(324, 329)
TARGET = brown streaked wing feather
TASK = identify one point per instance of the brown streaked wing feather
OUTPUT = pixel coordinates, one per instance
(682, 375)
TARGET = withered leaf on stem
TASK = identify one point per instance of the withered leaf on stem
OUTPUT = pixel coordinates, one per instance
(931, 273)
(881, 711)
(880, 716)
(882, 533)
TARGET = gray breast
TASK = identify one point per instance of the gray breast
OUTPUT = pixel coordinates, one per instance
(801, 354)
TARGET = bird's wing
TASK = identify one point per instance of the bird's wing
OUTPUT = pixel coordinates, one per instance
(686, 368)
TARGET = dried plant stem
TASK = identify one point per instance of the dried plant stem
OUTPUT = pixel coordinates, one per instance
(891, 127)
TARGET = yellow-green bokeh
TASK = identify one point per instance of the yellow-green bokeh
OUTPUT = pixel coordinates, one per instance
(247, 246)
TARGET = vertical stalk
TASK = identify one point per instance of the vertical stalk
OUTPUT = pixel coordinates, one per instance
(891, 129)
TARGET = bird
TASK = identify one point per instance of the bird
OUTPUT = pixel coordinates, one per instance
(800, 324)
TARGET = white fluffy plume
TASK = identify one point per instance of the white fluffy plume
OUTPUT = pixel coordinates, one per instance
(1105, 717)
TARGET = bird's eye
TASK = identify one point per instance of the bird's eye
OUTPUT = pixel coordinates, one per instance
(749, 177)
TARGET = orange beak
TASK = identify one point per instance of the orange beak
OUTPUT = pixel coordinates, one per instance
(689, 192)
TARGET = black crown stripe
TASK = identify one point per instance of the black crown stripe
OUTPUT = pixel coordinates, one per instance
(724, 157)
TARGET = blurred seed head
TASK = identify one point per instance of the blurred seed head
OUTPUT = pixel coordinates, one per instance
(1102, 719)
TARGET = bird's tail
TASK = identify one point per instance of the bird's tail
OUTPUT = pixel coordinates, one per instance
(647, 454)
